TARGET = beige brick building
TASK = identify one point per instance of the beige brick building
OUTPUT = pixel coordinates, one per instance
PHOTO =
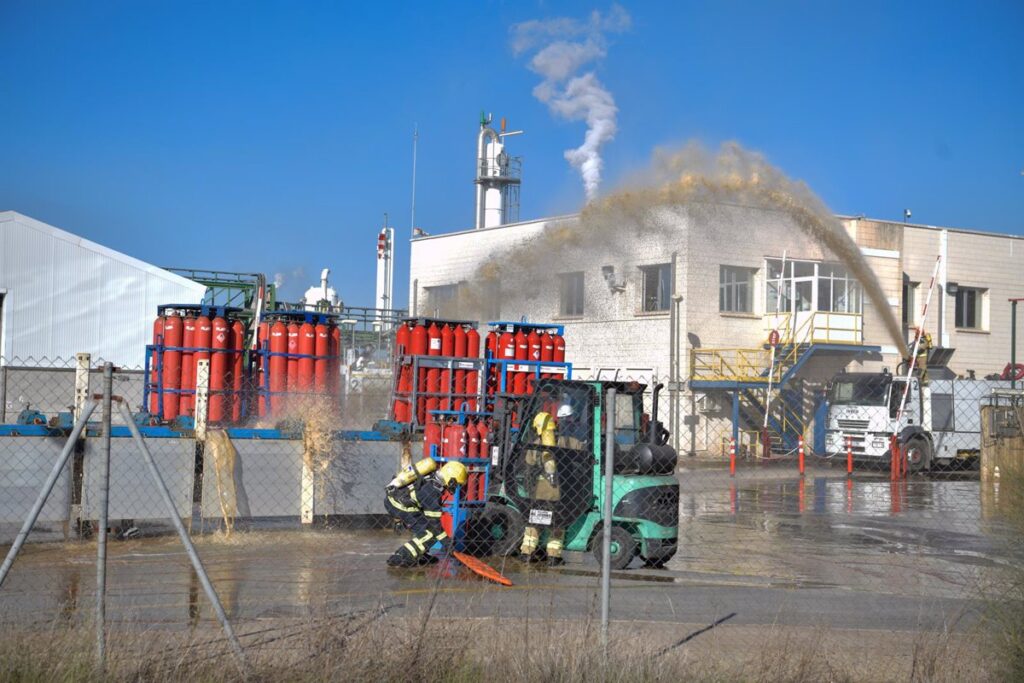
(706, 278)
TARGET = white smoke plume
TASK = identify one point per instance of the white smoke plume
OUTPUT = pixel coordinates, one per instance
(561, 47)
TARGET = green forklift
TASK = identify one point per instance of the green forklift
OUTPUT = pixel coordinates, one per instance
(548, 473)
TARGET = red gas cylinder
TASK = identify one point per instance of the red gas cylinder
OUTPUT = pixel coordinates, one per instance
(483, 432)
(485, 452)
(471, 382)
(237, 372)
(522, 353)
(418, 343)
(433, 374)
(293, 359)
(322, 349)
(403, 338)
(533, 343)
(472, 440)
(262, 368)
(431, 437)
(307, 348)
(434, 340)
(559, 352)
(278, 366)
(188, 367)
(201, 341)
(447, 350)
(219, 364)
(547, 350)
(453, 441)
(155, 369)
(459, 351)
(172, 366)
(491, 344)
(334, 367)
(506, 351)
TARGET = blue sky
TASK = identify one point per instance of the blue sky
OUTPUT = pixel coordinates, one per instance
(274, 136)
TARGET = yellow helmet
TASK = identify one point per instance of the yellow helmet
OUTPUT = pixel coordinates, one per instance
(453, 474)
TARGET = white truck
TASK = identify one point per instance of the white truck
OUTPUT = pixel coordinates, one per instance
(940, 424)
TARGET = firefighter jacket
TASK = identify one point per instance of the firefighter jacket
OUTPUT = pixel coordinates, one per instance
(422, 497)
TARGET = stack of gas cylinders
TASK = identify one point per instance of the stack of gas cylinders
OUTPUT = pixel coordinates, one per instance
(446, 384)
(184, 335)
(462, 437)
(299, 354)
(511, 342)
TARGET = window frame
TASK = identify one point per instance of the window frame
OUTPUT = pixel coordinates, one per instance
(571, 285)
(978, 295)
(434, 306)
(664, 288)
(730, 285)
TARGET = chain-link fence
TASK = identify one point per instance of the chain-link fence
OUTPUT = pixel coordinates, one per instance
(772, 535)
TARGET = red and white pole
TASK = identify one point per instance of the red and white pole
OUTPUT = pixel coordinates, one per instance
(732, 456)
(849, 456)
(800, 454)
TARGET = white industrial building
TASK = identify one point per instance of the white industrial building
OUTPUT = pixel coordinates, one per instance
(61, 294)
(694, 295)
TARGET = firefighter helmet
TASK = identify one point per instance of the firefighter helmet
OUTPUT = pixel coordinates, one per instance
(453, 474)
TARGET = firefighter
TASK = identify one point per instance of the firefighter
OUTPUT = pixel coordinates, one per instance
(542, 478)
(414, 498)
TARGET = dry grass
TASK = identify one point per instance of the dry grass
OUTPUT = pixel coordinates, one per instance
(1004, 592)
(378, 645)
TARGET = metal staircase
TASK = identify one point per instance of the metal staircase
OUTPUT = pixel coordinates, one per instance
(755, 377)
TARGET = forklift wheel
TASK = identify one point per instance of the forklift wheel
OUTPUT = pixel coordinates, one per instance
(497, 531)
(623, 550)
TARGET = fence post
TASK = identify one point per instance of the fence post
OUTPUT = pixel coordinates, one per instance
(3, 392)
(606, 541)
(101, 540)
(800, 454)
(82, 363)
(202, 397)
(732, 457)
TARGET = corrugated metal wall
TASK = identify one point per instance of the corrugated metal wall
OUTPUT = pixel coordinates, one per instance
(65, 295)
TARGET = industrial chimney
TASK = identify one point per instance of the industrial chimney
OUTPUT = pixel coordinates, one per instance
(498, 177)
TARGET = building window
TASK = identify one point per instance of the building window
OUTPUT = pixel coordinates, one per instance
(804, 286)
(735, 286)
(657, 287)
(969, 303)
(838, 291)
(909, 301)
(443, 301)
(571, 288)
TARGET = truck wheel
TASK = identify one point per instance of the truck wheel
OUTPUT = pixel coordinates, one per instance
(919, 455)
(498, 530)
(624, 547)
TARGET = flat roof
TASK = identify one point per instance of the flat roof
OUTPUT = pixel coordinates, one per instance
(569, 216)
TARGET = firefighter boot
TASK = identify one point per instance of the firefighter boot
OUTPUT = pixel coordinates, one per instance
(531, 539)
(554, 547)
(403, 558)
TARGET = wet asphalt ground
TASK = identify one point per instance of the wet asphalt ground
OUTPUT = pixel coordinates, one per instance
(765, 549)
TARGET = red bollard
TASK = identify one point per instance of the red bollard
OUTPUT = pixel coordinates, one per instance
(732, 457)
(849, 456)
(800, 454)
(894, 461)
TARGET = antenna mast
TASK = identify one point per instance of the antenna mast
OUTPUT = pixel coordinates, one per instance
(415, 140)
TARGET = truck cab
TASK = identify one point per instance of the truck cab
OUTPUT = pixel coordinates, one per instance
(864, 409)
(940, 423)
